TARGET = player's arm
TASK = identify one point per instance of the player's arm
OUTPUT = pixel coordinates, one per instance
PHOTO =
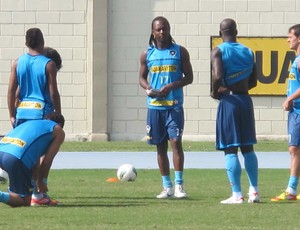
(187, 70)
(143, 72)
(288, 103)
(11, 93)
(216, 72)
(17, 97)
(58, 138)
(253, 78)
(52, 83)
(143, 75)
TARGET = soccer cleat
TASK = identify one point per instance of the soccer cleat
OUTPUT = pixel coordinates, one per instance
(44, 201)
(232, 200)
(166, 193)
(253, 198)
(179, 191)
(285, 196)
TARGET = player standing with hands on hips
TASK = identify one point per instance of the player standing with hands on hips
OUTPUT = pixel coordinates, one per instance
(292, 105)
(233, 74)
(169, 68)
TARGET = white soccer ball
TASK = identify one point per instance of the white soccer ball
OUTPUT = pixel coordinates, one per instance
(3, 176)
(127, 172)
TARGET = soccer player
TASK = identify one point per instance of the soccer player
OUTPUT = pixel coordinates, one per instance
(233, 74)
(21, 149)
(169, 69)
(53, 54)
(35, 76)
(292, 105)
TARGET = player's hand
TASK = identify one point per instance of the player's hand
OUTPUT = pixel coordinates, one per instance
(42, 187)
(223, 89)
(154, 93)
(287, 105)
(215, 96)
(12, 121)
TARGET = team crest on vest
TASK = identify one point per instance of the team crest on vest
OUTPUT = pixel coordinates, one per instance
(172, 52)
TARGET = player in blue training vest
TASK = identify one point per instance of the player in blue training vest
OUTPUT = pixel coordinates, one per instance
(292, 105)
(34, 76)
(54, 55)
(169, 69)
(233, 74)
(21, 149)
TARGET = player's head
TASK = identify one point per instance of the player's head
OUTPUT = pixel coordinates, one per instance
(228, 28)
(160, 23)
(56, 117)
(294, 37)
(295, 29)
(34, 38)
(51, 53)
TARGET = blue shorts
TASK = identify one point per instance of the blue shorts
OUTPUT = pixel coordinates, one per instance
(19, 121)
(294, 129)
(164, 125)
(235, 122)
(19, 175)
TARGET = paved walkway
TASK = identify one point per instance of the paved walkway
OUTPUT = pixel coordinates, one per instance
(147, 160)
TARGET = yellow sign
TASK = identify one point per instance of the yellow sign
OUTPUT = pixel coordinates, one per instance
(273, 60)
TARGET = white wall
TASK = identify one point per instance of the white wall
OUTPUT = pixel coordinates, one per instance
(119, 112)
(192, 24)
(64, 25)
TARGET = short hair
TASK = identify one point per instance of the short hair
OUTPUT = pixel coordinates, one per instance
(34, 38)
(228, 27)
(52, 53)
(56, 117)
(296, 29)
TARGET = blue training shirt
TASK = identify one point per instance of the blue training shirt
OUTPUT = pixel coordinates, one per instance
(34, 90)
(28, 141)
(164, 67)
(237, 61)
(294, 83)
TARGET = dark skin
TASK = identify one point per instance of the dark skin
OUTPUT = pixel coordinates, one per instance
(13, 92)
(228, 32)
(161, 32)
(15, 200)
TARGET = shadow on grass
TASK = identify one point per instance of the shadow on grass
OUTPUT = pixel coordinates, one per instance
(115, 201)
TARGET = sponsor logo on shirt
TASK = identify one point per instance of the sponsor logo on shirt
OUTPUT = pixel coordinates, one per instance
(163, 68)
(30, 105)
(14, 141)
(292, 76)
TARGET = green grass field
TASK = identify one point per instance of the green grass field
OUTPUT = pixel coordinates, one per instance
(137, 146)
(88, 201)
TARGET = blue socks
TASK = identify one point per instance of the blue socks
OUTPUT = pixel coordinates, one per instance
(251, 166)
(293, 182)
(166, 180)
(178, 177)
(234, 171)
(4, 197)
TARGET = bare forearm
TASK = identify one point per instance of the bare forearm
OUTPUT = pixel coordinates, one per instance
(56, 103)
(181, 83)
(144, 83)
(11, 104)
